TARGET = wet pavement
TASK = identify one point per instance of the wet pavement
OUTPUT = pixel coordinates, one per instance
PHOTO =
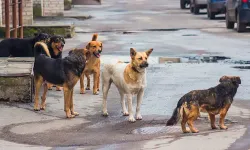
(173, 33)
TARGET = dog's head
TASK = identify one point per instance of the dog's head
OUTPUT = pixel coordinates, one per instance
(234, 79)
(42, 37)
(139, 60)
(94, 46)
(57, 43)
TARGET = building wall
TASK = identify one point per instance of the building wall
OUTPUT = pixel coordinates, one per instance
(27, 12)
(53, 7)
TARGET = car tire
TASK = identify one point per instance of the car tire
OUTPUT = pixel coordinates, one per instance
(182, 4)
(229, 24)
(210, 14)
(241, 27)
(191, 9)
(196, 9)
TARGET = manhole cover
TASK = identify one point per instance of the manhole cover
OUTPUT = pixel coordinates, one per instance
(156, 130)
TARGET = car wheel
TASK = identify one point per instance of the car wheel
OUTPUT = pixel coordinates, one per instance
(183, 4)
(210, 14)
(229, 24)
(196, 9)
(240, 26)
(191, 9)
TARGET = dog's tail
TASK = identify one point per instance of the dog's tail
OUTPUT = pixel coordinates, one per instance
(176, 114)
(41, 48)
(95, 36)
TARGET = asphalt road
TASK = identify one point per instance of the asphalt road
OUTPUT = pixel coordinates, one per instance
(140, 24)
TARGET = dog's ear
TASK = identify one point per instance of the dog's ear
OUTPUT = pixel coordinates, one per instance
(101, 45)
(148, 52)
(132, 52)
(36, 34)
(223, 79)
(86, 53)
(88, 46)
(94, 37)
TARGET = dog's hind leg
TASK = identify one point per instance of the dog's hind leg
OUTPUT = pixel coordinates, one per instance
(184, 121)
(98, 83)
(38, 83)
(130, 108)
(72, 104)
(82, 90)
(124, 109)
(45, 90)
(192, 116)
(138, 107)
(88, 82)
(105, 89)
(96, 76)
(212, 121)
(223, 114)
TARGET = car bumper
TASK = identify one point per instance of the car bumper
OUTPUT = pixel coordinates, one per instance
(201, 2)
(244, 15)
(218, 7)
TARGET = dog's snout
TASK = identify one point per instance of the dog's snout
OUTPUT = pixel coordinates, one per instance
(99, 51)
(62, 43)
(144, 64)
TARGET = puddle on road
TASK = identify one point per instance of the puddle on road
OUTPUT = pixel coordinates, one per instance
(156, 130)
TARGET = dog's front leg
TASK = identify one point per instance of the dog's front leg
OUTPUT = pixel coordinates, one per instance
(223, 114)
(45, 90)
(72, 104)
(96, 75)
(67, 99)
(130, 108)
(82, 90)
(38, 83)
(138, 107)
(124, 109)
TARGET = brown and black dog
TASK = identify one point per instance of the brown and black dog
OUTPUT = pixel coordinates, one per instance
(93, 66)
(63, 72)
(215, 100)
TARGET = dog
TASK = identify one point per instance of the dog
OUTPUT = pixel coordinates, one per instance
(215, 100)
(63, 72)
(15, 47)
(130, 79)
(56, 45)
(93, 66)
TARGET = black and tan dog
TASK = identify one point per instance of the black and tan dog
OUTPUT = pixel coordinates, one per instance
(215, 100)
(93, 65)
(63, 72)
(15, 47)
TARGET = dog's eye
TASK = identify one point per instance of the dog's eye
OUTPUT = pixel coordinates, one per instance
(94, 46)
(146, 58)
(140, 58)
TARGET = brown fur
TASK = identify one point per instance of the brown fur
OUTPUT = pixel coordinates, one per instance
(70, 76)
(215, 100)
(92, 66)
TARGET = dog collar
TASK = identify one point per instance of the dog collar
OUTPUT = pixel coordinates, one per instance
(135, 69)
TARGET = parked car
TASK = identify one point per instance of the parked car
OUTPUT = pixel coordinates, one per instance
(196, 5)
(215, 7)
(184, 3)
(238, 12)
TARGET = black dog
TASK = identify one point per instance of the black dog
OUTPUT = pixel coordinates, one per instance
(16, 47)
(215, 100)
(52, 49)
(63, 72)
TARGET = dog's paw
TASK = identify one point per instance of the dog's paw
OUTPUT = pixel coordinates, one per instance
(49, 88)
(36, 108)
(87, 88)
(96, 93)
(186, 131)
(105, 114)
(214, 127)
(125, 113)
(58, 88)
(82, 91)
(42, 107)
(75, 113)
(138, 117)
(223, 127)
(98, 89)
(131, 119)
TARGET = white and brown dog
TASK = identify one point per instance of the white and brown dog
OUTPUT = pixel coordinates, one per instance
(130, 79)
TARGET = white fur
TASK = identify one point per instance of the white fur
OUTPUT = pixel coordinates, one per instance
(114, 73)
